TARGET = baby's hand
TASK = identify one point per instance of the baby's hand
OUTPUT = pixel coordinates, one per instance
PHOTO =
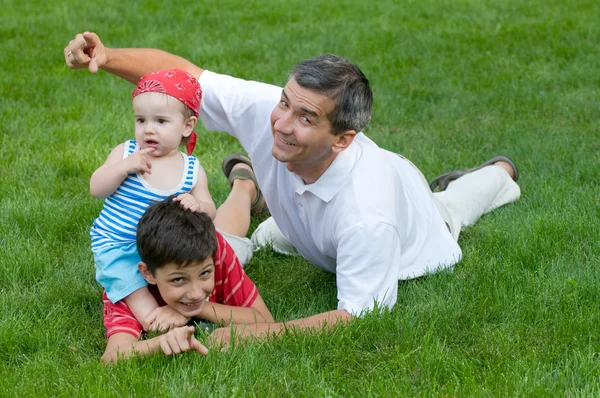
(165, 318)
(139, 162)
(188, 202)
(181, 340)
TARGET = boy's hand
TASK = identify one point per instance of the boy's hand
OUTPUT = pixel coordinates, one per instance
(139, 162)
(181, 340)
(188, 202)
(165, 318)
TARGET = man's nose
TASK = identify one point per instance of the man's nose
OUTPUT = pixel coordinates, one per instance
(284, 123)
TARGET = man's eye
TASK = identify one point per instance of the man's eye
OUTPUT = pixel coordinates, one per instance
(305, 119)
(283, 103)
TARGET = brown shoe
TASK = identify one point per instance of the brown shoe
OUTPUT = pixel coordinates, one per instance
(259, 206)
(440, 183)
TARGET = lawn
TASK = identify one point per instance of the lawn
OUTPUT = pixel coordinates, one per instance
(455, 82)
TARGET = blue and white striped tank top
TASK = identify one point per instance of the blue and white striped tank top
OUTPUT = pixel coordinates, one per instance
(117, 222)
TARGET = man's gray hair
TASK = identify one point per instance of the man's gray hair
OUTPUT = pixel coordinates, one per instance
(342, 81)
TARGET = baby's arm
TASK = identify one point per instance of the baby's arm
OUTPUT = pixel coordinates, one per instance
(107, 178)
(124, 345)
(227, 314)
(144, 307)
(199, 199)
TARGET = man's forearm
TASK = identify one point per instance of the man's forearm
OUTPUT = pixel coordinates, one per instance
(226, 314)
(324, 321)
(133, 63)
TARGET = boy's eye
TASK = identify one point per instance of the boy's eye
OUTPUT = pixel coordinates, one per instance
(206, 273)
(177, 281)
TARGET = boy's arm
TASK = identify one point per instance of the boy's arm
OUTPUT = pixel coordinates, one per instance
(124, 345)
(107, 178)
(87, 51)
(227, 314)
(144, 307)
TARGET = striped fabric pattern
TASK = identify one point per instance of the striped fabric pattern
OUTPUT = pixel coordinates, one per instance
(117, 222)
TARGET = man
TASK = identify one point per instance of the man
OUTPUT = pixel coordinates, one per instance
(337, 199)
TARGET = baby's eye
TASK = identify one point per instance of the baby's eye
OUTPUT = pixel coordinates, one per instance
(140, 120)
(162, 121)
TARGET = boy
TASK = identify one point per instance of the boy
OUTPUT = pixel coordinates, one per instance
(192, 269)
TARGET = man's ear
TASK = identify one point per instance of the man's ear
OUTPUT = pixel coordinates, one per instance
(146, 273)
(343, 141)
(190, 125)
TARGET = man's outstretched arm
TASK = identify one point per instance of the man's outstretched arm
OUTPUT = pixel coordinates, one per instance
(326, 320)
(86, 50)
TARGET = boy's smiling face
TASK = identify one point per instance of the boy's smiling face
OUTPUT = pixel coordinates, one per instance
(185, 289)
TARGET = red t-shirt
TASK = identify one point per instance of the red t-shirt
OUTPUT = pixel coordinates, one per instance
(232, 287)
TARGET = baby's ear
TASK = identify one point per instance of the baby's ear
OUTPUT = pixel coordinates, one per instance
(146, 273)
(190, 125)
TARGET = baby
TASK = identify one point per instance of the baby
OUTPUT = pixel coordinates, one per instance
(139, 173)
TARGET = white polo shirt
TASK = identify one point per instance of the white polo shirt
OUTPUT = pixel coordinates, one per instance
(369, 218)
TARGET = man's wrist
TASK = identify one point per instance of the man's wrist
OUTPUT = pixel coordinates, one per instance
(107, 59)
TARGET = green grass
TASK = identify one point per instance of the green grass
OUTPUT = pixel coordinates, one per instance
(455, 82)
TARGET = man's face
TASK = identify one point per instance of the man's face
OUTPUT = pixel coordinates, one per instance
(301, 131)
(184, 289)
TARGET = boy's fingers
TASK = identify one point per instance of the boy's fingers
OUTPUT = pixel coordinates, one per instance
(173, 343)
(151, 318)
(164, 345)
(184, 344)
(197, 346)
(193, 342)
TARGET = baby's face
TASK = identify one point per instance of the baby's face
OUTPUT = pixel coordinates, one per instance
(160, 123)
(186, 289)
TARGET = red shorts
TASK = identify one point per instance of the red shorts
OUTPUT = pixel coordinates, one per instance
(118, 318)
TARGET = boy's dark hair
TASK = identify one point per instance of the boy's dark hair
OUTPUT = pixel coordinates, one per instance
(167, 233)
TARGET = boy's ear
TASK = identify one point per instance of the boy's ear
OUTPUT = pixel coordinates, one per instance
(343, 141)
(190, 125)
(146, 273)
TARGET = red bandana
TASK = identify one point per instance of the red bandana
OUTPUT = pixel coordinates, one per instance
(177, 84)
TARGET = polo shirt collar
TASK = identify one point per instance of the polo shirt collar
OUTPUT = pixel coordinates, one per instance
(332, 180)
